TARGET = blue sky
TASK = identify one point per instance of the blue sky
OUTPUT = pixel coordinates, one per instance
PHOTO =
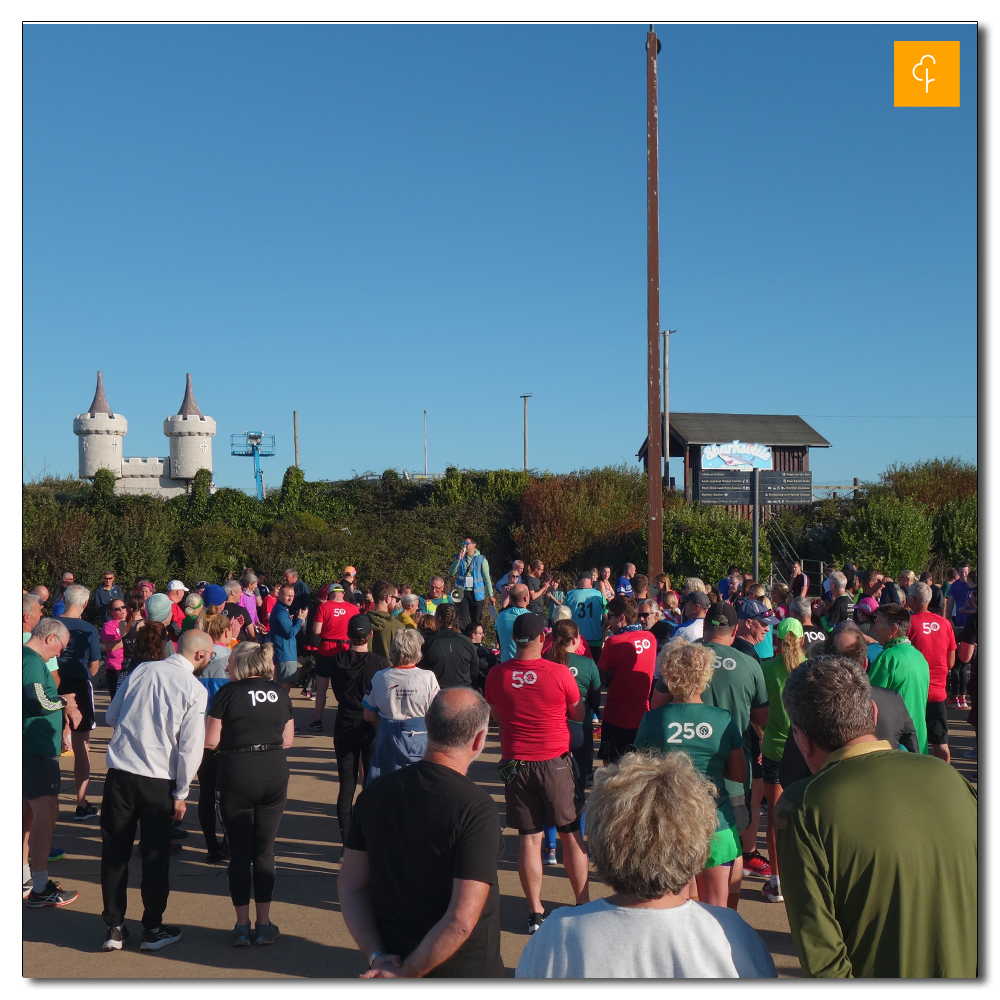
(362, 222)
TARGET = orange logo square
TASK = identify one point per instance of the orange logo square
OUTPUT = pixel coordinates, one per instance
(925, 75)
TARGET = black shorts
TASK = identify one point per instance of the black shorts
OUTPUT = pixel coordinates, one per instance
(616, 742)
(323, 665)
(769, 771)
(753, 743)
(937, 723)
(542, 793)
(39, 776)
(84, 692)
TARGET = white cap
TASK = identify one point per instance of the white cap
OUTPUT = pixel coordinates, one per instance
(176, 585)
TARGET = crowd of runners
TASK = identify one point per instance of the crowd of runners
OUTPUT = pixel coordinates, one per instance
(643, 729)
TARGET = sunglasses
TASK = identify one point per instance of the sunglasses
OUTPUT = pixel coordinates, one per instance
(645, 614)
(118, 607)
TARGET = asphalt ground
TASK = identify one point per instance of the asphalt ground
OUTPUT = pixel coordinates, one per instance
(314, 943)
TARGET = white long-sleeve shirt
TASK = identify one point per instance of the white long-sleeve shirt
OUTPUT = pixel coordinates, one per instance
(159, 719)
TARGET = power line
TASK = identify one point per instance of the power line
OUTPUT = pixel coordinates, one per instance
(891, 416)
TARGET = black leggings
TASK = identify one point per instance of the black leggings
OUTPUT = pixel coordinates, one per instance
(112, 679)
(354, 748)
(206, 799)
(958, 679)
(251, 814)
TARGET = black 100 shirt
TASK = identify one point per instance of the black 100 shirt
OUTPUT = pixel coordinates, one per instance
(253, 711)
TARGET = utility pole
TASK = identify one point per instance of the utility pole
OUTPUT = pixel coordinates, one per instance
(666, 402)
(755, 489)
(654, 474)
(425, 443)
(295, 425)
(526, 397)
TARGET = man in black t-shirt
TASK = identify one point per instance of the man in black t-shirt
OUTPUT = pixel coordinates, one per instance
(418, 885)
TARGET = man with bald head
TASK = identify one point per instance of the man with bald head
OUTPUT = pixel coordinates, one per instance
(519, 599)
(158, 716)
(418, 883)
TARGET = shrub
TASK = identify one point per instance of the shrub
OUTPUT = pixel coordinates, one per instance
(704, 540)
(956, 532)
(934, 483)
(887, 534)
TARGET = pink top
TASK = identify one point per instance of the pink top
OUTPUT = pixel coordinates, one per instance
(114, 657)
(249, 602)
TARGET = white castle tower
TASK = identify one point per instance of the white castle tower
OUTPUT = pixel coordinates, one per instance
(100, 431)
(190, 436)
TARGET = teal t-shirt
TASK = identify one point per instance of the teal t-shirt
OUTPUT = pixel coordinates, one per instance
(505, 632)
(588, 680)
(737, 685)
(706, 734)
(41, 709)
(559, 596)
(588, 608)
(776, 730)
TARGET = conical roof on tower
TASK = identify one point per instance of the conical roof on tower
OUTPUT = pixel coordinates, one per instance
(100, 403)
(189, 408)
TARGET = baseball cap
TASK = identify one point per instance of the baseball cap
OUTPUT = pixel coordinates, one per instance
(176, 585)
(527, 627)
(350, 569)
(755, 611)
(868, 605)
(696, 597)
(159, 608)
(721, 615)
(213, 595)
(792, 625)
(336, 586)
(201, 585)
(359, 627)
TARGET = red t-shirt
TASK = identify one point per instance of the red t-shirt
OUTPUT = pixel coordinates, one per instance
(177, 614)
(333, 616)
(933, 636)
(631, 657)
(532, 697)
(582, 649)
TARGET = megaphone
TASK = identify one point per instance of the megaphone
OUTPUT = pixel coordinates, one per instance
(457, 594)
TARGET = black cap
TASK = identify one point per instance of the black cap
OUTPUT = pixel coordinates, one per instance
(359, 627)
(696, 597)
(721, 615)
(527, 627)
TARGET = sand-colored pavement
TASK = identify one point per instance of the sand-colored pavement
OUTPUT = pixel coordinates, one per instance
(314, 942)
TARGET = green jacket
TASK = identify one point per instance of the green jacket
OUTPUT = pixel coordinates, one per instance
(878, 854)
(384, 627)
(901, 667)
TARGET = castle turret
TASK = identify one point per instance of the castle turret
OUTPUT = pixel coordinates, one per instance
(190, 436)
(100, 431)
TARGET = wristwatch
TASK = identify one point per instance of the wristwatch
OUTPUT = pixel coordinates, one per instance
(63, 702)
(375, 954)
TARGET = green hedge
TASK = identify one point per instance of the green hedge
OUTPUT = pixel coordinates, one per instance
(887, 534)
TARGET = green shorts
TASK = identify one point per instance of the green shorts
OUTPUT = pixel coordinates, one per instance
(725, 847)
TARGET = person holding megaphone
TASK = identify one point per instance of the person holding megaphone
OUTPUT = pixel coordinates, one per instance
(472, 577)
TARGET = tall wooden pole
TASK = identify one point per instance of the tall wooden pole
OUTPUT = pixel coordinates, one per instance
(295, 425)
(526, 397)
(654, 467)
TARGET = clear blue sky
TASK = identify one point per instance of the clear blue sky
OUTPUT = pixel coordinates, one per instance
(363, 222)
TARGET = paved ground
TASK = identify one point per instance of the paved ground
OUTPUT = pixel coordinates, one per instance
(314, 941)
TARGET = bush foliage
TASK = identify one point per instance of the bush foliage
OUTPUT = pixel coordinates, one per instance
(407, 531)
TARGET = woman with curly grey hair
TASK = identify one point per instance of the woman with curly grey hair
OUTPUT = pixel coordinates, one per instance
(650, 822)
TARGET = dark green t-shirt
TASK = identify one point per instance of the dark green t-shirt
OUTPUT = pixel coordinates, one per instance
(706, 734)
(588, 680)
(737, 685)
(41, 709)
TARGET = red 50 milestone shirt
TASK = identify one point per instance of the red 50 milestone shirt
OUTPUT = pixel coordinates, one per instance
(933, 636)
(333, 616)
(532, 698)
(631, 657)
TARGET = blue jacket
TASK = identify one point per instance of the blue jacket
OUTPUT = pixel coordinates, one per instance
(282, 634)
(215, 674)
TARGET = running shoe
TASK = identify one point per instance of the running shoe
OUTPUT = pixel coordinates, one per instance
(116, 939)
(66, 752)
(549, 858)
(240, 936)
(55, 854)
(316, 726)
(963, 703)
(26, 888)
(179, 834)
(772, 893)
(535, 921)
(265, 933)
(85, 812)
(159, 937)
(954, 703)
(756, 864)
(218, 854)
(52, 895)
